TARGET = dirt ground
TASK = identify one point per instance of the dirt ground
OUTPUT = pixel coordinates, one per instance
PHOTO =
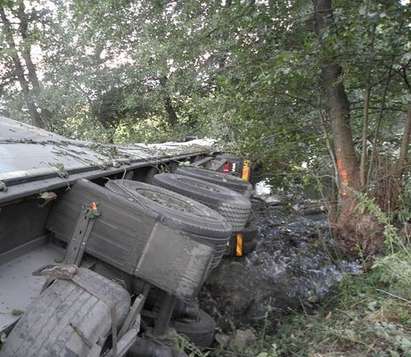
(293, 268)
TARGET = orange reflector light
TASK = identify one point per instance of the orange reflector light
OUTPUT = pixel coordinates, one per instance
(245, 174)
(239, 246)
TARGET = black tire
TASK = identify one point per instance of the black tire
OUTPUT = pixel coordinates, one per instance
(250, 246)
(179, 212)
(151, 172)
(172, 166)
(249, 232)
(67, 320)
(226, 180)
(186, 309)
(230, 204)
(175, 210)
(200, 330)
(149, 348)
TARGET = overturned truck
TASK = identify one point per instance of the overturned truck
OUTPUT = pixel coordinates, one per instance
(103, 248)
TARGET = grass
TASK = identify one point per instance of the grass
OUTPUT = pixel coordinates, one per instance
(365, 318)
(369, 315)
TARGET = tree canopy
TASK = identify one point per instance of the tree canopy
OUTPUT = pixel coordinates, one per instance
(247, 72)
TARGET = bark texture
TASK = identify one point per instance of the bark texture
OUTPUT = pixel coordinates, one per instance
(405, 142)
(171, 113)
(172, 118)
(355, 233)
(19, 70)
(29, 82)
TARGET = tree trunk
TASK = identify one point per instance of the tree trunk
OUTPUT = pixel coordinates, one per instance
(338, 107)
(405, 142)
(364, 139)
(367, 99)
(353, 231)
(376, 136)
(171, 113)
(26, 47)
(19, 70)
(168, 104)
(339, 113)
(26, 54)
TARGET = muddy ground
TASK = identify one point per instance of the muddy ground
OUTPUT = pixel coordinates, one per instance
(293, 267)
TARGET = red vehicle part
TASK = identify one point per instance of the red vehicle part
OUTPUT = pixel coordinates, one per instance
(227, 167)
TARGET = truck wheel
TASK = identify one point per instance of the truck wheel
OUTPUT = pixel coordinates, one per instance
(230, 204)
(229, 181)
(249, 246)
(250, 232)
(150, 174)
(179, 212)
(176, 210)
(68, 320)
(172, 166)
(150, 348)
(200, 330)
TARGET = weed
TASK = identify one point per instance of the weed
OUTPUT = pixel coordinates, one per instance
(368, 315)
(393, 241)
(185, 345)
(372, 316)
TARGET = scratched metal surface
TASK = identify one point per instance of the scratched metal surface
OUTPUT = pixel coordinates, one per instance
(27, 151)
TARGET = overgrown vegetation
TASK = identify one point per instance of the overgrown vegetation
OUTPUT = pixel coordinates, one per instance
(368, 315)
(310, 91)
(250, 73)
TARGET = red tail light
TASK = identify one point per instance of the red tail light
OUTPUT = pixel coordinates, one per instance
(227, 167)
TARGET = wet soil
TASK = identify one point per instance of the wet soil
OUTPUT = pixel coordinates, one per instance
(294, 266)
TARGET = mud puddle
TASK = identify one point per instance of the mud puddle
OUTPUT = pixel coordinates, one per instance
(293, 268)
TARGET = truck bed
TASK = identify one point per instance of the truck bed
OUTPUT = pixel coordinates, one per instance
(33, 160)
(18, 287)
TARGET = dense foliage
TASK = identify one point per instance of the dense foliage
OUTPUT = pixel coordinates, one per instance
(315, 92)
(245, 72)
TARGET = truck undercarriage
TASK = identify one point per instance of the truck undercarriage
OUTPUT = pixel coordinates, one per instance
(77, 222)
